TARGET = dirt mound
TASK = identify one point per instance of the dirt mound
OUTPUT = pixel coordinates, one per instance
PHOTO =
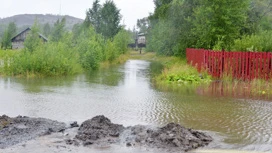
(173, 137)
(19, 129)
(102, 132)
(98, 129)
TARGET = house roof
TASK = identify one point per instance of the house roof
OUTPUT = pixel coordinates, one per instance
(40, 35)
(141, 34)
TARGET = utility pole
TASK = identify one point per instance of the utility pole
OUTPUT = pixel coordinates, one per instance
(60, 9)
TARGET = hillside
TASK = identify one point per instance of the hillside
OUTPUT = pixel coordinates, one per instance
(26, 20)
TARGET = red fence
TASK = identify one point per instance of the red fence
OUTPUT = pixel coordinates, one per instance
(241, 65)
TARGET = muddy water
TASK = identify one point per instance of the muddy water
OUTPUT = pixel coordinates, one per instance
(126, 95)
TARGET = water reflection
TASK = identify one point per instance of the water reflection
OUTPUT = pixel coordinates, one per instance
(109, 77)
(241, 90)
(126, 95)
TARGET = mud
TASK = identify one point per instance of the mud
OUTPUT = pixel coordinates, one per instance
(99, 132)
(20, 129)
(172, 137)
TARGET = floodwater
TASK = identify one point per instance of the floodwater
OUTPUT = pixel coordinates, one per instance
(126, 95)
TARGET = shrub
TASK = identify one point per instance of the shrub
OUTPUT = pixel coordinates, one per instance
(110, 51)
(52, 59)
(121, 40)
(91, 54)
(261, 42)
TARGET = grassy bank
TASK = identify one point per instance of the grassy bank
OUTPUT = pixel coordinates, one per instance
(176, 71)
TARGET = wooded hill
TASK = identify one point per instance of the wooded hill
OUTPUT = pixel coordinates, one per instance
(27, 20)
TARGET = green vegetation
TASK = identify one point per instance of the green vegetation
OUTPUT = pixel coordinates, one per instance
(105, 19)
(261, 42)
(219, 24)
(53, 59)
(183, 74)
(176, 71)
(8, 34)
(68, 53)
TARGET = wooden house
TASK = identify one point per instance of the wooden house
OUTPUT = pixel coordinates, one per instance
(19, 39)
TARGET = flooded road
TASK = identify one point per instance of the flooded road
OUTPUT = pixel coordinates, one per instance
(126, 95)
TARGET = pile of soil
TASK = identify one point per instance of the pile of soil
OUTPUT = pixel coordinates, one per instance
(98, 130)
(19, 129)
(173, 137)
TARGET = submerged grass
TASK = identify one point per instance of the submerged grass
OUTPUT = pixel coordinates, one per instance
(254, 89)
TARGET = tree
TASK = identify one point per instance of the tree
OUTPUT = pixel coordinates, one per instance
(110, 19)
(219, 22)
(58, 30)
(93, 16)
(142, 25)
(8, 34)
(259, 16)
(171, 31)
(161, 9)
(32, 40)
(47, 29)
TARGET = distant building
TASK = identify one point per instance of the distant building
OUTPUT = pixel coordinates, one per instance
(19, 39)
(141, 38)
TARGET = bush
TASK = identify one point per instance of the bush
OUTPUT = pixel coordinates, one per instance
(52, 59)
(121, 40)
(110, 51)
(261, 42)
(66, 56)
(90, 54)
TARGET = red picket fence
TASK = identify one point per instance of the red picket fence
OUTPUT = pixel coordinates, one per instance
(241, 65)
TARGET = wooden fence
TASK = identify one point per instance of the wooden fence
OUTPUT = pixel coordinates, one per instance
(240, 65)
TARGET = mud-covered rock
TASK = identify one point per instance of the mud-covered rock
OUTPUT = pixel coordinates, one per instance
(19, 129)
(99, 128)
(73, 124)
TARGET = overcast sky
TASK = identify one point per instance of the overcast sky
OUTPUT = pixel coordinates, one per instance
(131, 10)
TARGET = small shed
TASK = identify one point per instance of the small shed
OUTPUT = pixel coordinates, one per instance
(19, 39)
